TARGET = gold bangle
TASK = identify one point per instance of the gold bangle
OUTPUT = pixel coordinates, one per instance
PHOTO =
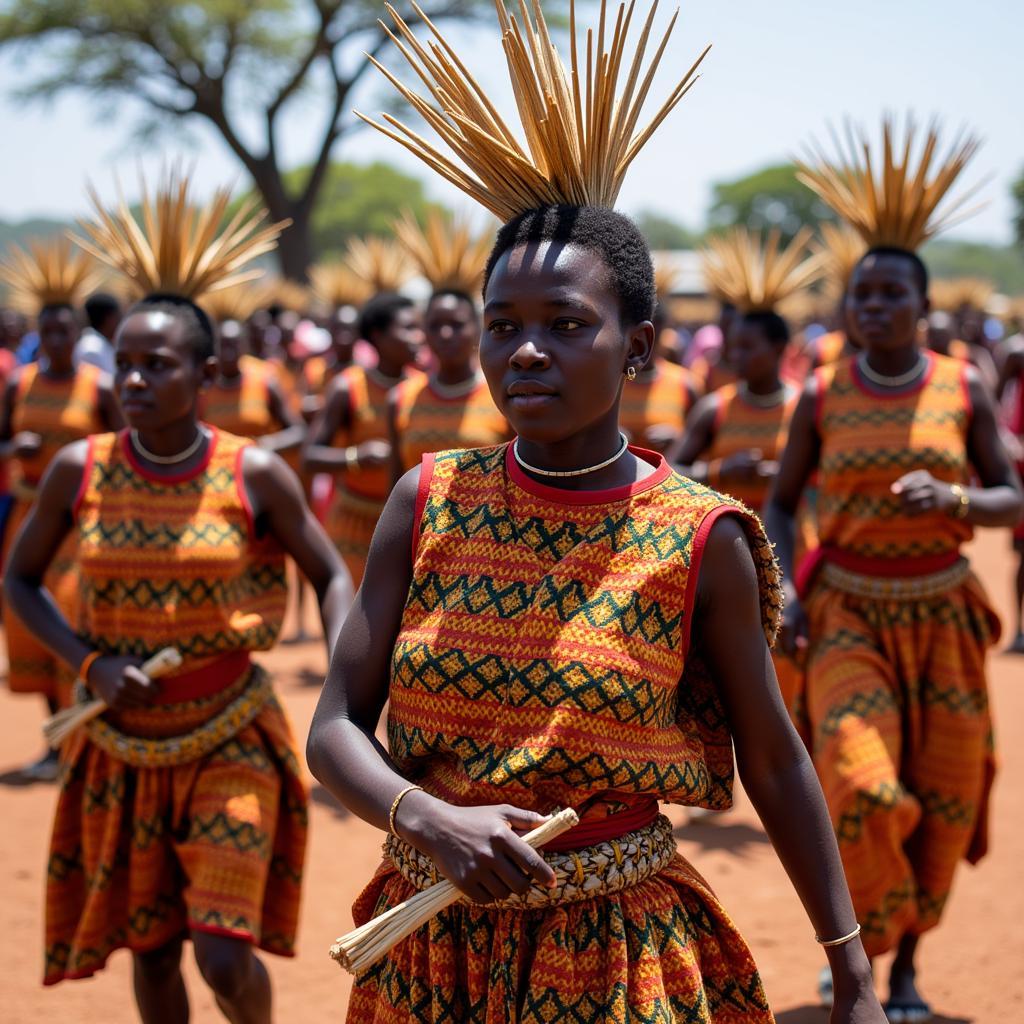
(394, 808)
(87, 663)
(963, 499)
(838, 942)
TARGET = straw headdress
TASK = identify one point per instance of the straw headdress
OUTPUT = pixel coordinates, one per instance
(841, 249)
(665, 278)
(50, 273)
(236, 302)
(382, 264)
(580, 126)
(336, 284)
(897, 198)
(179, 248)
(285, 293)
(445, 251)
(952, 294)
(756, 274)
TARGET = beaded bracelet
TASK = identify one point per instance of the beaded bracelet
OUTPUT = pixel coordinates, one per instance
(394, 808)
(840, 941)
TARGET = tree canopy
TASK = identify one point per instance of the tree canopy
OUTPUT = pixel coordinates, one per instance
(241, 66)
(1017, 192)
(662, 232)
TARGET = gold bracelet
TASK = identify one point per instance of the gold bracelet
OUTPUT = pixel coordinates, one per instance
(394, 808)
(964, 499)
(838, 942)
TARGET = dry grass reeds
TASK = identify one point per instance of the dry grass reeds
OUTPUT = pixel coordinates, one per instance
(50, 271)
(446, 251)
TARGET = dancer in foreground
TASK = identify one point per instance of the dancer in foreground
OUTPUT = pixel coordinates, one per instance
(182, 810)
(897, 624)
(563, 621)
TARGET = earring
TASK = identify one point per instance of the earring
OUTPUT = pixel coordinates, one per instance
(630, 373)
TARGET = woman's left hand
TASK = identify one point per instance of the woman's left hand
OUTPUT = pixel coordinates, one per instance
(920, 492)
(862, 1007)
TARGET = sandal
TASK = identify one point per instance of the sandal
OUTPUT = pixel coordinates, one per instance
(907, 1013)
(825, 992)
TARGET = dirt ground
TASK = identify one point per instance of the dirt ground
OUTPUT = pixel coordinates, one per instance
(971, 967)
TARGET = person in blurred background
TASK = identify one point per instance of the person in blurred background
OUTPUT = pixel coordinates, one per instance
(1011, 377)
(96, 342)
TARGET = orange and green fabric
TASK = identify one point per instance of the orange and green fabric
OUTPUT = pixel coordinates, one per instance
(659, 397)
(428, 421)
(360, 494)
(243, 410)
(59, 411)
(896, 694)
(545, 659)
(149, 843)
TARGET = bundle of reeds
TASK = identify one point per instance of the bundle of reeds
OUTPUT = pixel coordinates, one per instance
(50, 272)
(841, 249)
(336, 284)
(446, 251)
(381, 263)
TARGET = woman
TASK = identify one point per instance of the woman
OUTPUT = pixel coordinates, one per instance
(897, 625)
(182, 811)
(452, 406)
(532, 639)
(349, 439)
(46, 405)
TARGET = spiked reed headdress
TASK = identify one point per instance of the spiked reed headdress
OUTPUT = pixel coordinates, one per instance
(51, 272)
(382, 264)
(580, 126)
(841, 249)
(336, 284)
(896, 198)
(756, 274)
(951, 294)
(446, 251)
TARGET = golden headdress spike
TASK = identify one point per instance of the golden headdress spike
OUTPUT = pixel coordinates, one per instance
(898, 198)
(180, 248)
(50, 272)
(756, 274)
(336, 284)
(236, 302)
(446, 251)
(580, 126)
(841, 249)
(951, 294)
(665, 277)
(382, 264)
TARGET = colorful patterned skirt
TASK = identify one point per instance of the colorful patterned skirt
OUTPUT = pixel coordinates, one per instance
(140, 856)
(662, 950)
(902, 742)
(33, 668)
(351, 523)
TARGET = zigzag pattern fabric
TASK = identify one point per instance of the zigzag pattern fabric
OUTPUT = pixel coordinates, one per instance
(60, 412)
(545, 659)
(428, 422)
(140, 854)
(896, 692)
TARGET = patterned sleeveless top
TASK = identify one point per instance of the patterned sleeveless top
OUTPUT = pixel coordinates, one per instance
(243, 410)
(174, 561)
(869, 440)
(660, 398)
(545, 657)
(368, 421)
(830, 348)
(429, 422)
(741, 426)
(60, 411)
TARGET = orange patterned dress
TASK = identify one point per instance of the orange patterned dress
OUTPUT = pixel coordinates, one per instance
(658, 398)
(360, 494)
(428, 420)
(189, 814)
(60, 411)
(545, 659)
(896, 691)
(243, 410)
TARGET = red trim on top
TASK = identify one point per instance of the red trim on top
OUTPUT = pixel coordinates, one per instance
(560, 496)
(965, 384)
(173, 478)
(90, 456)
(205, 681)
(696, 554)
(422, 491)
(891, 395)
(243, 494)
(603, 830)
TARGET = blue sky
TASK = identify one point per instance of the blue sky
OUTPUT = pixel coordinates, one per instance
(777, 74)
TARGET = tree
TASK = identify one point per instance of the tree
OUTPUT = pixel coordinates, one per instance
(768, 198)
(663, 232)
(1017, 192)
(238, 65)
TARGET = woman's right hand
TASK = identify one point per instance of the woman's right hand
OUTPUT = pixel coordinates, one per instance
(476, 848)
(794, 630)
(120, 683)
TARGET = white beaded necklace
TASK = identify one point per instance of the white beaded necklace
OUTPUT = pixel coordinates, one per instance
(569, 472)
(769, 401)
(460, 390)
(168, 460)
(884, 381)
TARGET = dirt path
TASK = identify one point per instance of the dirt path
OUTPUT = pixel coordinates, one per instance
(971, 966)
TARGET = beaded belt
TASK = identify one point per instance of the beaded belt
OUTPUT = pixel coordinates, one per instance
(896, 588)
(145, 752)
(598, 870)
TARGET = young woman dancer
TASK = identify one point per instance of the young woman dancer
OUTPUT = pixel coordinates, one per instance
(547, 618)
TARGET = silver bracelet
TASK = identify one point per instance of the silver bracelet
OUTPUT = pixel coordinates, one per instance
(838, 942)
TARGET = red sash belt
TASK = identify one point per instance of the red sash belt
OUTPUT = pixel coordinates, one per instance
(885, 567)
(602, 830)
(203, 682)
